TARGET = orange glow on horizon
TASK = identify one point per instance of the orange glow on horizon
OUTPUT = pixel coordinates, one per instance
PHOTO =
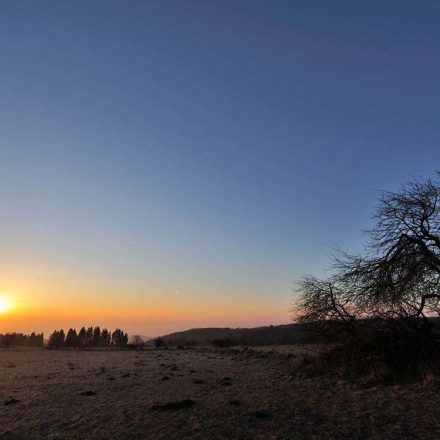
(45, 299)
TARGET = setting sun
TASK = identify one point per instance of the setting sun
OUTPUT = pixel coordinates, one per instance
(5, 305)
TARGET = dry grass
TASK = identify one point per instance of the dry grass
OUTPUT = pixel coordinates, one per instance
(214, 394)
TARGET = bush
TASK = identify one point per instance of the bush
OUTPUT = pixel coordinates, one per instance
(386, 356)
(159, 342)
(221, 343)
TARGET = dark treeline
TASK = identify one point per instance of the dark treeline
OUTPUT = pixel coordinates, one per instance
(21, 340)
(91, 337)
(224, 337)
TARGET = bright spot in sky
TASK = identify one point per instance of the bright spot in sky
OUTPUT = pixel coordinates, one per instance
(5, 304)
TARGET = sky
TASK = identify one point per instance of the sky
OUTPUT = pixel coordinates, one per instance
(179, 164)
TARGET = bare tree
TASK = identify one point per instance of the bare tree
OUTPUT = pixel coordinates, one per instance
(397, 277)
(137, 340)
(324, 301)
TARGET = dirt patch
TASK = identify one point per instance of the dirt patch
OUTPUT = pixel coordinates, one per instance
(186, 403)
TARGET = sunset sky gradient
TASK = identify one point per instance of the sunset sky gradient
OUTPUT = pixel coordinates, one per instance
(166, 165)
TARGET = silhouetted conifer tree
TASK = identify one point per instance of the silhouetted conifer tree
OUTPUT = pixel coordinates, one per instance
(89, 337)
(34, 340)
(20, 339)
(96, 342)
(81, 338)
(119, 338)
(71, 338)
(84, 338)
(105, 337)
(56, 339)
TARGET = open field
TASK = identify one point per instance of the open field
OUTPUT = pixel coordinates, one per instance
(219, 394)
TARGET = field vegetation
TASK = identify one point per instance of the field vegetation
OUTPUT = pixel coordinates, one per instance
(203, 393)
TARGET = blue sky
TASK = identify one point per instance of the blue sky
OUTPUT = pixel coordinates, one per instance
(206, 151)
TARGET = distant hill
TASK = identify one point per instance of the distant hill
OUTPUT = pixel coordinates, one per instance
(268, 335)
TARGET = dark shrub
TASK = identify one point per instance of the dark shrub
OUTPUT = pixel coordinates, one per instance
(159, 342)
(221, 343)
(387, 356)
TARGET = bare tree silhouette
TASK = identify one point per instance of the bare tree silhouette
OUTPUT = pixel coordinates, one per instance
(137, 340)
(397, 278)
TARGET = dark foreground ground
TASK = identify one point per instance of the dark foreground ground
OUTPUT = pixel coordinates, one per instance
(226, 394)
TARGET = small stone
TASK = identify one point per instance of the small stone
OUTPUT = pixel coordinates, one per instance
(187, 403)
(88, 393)
(261, 414)
(11, 401)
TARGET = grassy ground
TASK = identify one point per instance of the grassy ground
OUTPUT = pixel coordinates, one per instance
(226, 394)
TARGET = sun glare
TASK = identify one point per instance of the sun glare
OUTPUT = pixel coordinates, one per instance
(5, 305)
